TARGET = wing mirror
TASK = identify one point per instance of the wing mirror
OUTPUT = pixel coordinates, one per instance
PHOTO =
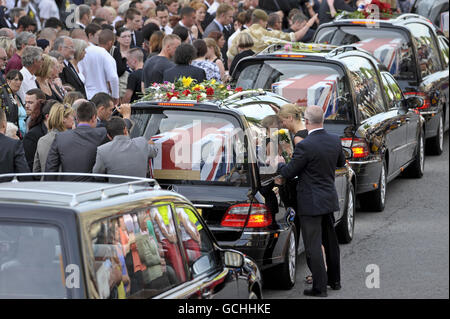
(233, 258)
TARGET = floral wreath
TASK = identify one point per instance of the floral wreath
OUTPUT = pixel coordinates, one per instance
(365, 11)
(187, 88)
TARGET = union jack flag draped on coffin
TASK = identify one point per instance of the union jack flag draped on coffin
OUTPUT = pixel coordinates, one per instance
(196, 151)
(311, 89)
(388, 51)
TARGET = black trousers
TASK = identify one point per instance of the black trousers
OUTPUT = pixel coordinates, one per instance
(318, 231)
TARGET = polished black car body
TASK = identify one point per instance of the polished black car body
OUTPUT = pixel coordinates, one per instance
(414, 52)
(362, 103)
(242, 207)
(67, 240)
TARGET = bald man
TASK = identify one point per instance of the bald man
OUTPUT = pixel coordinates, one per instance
(314, 161)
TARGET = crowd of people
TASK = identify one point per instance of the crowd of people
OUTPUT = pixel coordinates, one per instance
(103, 54)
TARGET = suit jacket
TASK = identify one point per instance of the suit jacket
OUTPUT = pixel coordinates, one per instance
(124, 156)
(68, 76)
(75, 150)
(172, 74)
(139, 39)
(314, 162)
(213, 26)
(12, 156)
(30, 142)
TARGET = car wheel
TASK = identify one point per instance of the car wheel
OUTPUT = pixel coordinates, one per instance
(417, 167)
(287, 271)
(436, 144)
(375, 200)
(345, 228)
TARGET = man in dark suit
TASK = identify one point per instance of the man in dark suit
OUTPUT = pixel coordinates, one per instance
(69, 75)
(133, 22)
(184, 55)
(12, 155)
(75, 150)
(314, 162)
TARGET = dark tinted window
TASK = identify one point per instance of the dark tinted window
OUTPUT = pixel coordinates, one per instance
(389, 45)
(31, 261)
(367, 87)
(392, 90)
(197, 244)
(136, 255)
(427, 52)
(301, 82)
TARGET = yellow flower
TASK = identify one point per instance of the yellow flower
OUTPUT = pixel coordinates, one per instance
(186, 81)
(202, 87)
(283, 132)
(213, 81)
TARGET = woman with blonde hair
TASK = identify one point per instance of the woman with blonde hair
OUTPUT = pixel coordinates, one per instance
(45, 76)
(291, 118)
(213, 54)
(200, 14)
(80, 51)
(60, 119)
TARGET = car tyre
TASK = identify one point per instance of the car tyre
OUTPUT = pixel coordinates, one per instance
(286, 272)
(345, 228)
(417, 167)
(375, 200)
(436, 144)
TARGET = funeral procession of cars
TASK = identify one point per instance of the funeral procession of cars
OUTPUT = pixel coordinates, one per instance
(211, 220)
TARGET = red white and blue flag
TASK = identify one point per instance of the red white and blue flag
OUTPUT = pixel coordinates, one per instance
(388, 51)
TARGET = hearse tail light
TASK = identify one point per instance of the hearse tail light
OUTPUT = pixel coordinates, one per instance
(426, 101)
(359, 147)
(289, 56)
(175, 104)
(236, 216)
(363, 22)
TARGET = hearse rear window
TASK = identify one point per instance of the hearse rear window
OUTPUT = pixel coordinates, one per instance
(390, 46)
(302, 82)
(194, 147)
(31, 262)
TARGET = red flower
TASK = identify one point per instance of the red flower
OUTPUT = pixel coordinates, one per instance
(186, 92)
(197, 88)
(238, 89)
(209, 91)
(171, 95)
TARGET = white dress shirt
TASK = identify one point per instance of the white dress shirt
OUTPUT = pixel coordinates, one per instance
(98, 68)
(48, 9)
(28, 83)
(213, 8)
(167, 29)
(316, 129)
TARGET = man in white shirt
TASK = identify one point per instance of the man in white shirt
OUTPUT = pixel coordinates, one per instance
(99, 67)
(48, 9)
(84, 15)
(31, 61)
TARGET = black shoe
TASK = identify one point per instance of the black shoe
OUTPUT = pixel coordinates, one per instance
(335, 286)
(314, 293)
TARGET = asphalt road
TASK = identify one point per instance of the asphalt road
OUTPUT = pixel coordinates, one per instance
(408, 243)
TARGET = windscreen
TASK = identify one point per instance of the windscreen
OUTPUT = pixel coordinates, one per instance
(390, 46)
(31, 262)
(302, 82)
(194, 147)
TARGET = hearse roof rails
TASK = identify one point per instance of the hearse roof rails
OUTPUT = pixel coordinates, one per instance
(75, 197)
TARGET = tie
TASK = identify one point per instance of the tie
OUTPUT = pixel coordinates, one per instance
(134, 39)
(163, 30)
